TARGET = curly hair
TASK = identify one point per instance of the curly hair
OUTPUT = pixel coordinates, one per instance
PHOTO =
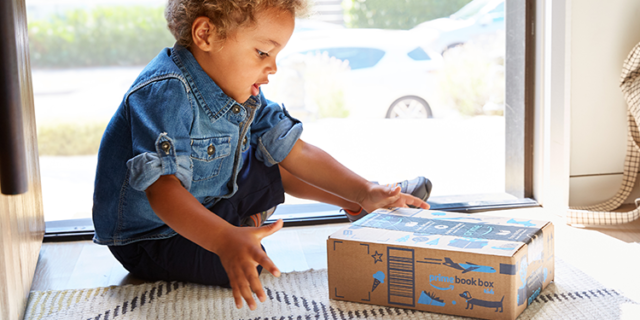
(226, 15)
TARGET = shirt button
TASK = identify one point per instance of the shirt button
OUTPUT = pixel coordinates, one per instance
(165, 146)
(211, 150)
(244, 142)
(236, 109)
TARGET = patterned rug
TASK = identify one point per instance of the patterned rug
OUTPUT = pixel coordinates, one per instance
(303, 295)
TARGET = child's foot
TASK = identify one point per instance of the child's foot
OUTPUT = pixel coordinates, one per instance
(419, 187)
(258, 219)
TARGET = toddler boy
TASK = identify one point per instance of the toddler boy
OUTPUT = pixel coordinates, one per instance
(195, 152)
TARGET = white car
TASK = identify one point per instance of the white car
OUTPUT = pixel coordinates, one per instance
(476, 19)
(381, 73)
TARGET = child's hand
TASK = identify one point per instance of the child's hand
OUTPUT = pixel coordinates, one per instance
(240, 255)
(385, 197)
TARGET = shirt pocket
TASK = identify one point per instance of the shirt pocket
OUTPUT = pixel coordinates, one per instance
(207, 155)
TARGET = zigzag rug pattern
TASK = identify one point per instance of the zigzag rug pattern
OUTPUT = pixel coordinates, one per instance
(303, 295)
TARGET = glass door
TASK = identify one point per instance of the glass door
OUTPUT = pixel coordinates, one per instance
(416, 91)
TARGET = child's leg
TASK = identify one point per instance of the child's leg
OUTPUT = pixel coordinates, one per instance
(259, 189)
(179, 259)
(172, 259)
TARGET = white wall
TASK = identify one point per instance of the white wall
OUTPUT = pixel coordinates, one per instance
(600, 36)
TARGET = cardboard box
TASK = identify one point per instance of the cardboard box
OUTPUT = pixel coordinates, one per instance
(444, 262)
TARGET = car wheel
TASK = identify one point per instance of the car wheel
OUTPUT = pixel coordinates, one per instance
(451, 46)
(409, 108)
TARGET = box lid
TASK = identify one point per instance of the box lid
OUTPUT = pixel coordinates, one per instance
(443, 230)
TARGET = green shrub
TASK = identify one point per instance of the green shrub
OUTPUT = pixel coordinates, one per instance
(104, 36)
(472, 78)
(400, 14)
(70, 139)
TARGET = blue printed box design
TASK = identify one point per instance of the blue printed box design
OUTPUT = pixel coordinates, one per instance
(470, 265)
(511, 230)
(447, 230)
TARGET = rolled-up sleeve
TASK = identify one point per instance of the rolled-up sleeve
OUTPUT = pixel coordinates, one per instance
(160, 119)
(274, 132)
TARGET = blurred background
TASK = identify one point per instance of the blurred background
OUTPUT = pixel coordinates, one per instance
(391, 88)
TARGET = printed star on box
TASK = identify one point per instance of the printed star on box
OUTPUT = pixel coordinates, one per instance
(377, 257)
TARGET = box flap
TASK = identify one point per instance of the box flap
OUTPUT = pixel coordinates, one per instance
(445, 230)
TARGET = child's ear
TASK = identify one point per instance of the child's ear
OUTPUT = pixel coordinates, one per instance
(203, 33)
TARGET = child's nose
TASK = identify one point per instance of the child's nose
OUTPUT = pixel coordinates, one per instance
(272, 68)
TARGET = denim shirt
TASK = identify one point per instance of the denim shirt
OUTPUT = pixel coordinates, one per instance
(175, 120)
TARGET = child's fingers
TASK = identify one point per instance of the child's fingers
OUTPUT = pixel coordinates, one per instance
(268, 230)
(237, 296)
(247, 294)
(243, 286)
(416, 202)
(406, 200)
(261, 258)
(241, 289)
(409, 200)
(256, 286)
(394, 191)
(268, 264)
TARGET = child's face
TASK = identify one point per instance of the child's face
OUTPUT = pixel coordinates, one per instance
(242, 62)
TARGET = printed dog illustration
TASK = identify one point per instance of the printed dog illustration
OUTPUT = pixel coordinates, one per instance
(483, 303)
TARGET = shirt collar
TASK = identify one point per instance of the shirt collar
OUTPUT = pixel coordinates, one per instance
(208, 94)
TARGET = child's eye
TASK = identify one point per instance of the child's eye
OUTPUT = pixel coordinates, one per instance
(262, 54)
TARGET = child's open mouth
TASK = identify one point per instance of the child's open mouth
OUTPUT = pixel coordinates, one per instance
(255, 89)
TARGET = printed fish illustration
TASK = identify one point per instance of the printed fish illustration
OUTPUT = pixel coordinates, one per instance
(468, 267)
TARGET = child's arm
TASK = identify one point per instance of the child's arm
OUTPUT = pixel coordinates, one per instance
(238, 248)
(318, 168)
